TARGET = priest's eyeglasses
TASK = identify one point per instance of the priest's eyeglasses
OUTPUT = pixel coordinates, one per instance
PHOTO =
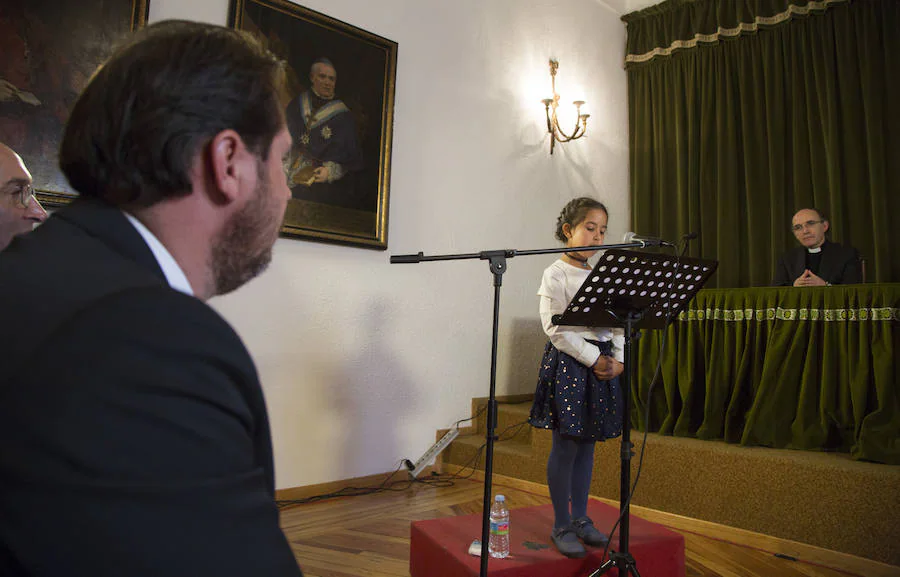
(807, 224)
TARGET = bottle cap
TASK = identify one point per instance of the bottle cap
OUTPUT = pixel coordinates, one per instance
(499, 498)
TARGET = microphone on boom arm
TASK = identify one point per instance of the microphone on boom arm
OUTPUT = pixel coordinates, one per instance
(646, 240)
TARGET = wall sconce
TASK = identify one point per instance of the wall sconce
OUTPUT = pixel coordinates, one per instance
(556, 133)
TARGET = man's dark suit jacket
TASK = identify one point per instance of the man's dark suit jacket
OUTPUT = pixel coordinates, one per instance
(840, 265)
(134, 439)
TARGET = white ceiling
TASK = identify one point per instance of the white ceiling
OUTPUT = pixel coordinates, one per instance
(625, 6)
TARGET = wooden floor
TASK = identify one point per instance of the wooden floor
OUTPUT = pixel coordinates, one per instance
(369, 535)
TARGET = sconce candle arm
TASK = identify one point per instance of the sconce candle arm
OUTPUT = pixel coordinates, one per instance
(551, 104)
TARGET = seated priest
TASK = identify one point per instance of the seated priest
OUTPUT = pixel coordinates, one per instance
(818, 262)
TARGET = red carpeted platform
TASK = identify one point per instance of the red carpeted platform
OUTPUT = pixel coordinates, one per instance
(439, 547)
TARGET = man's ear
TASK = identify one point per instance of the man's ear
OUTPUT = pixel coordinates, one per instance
(231, 163)
(826, 224)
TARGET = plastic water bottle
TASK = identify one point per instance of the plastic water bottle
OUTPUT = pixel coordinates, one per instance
(498, 545)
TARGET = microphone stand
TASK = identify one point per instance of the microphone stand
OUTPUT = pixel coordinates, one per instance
(497, 261)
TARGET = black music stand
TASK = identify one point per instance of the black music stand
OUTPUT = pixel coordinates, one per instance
(633, 290)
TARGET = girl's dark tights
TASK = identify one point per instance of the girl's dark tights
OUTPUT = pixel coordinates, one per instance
(569, 470)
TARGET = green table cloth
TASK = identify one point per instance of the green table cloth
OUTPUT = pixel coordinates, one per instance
(803, 368)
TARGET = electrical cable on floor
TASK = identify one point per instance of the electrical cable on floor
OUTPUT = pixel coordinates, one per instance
(435, 480)
(345, 492)
(473, 417)
(432, 453)
(481, 448)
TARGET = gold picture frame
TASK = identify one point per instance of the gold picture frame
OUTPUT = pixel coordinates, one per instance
(52, 49)
(347, 130)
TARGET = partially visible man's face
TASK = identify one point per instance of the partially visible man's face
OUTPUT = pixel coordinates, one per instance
(323, 77)
(809, 228)
(19, 209)
(244, 248)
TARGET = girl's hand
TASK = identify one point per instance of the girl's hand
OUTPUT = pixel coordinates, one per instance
(607, 368)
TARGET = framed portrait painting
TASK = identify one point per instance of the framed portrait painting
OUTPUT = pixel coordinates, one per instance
(50, 49)
(338, 98)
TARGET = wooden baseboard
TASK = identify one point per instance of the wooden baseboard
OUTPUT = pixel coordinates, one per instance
(518, 398)
(800, 551)
(299, 493)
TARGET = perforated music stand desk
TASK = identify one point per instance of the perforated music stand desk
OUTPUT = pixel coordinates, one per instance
(657, 286)
(634, 290)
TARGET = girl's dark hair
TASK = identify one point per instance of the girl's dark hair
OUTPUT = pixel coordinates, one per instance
(135, 130)
(574, 212)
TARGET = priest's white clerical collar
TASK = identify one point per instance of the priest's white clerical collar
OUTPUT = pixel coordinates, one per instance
(815, 250)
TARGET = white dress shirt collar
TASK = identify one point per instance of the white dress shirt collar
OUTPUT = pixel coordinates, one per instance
(174, 275)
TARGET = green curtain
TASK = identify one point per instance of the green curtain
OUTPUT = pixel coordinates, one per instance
(806, 369)
(742, 112)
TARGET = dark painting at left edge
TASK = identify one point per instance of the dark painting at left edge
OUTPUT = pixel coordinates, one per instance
(50, 49)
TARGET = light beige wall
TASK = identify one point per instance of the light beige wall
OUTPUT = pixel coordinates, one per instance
(361, 360)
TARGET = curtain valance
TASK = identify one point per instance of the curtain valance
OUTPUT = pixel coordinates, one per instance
(675, 25)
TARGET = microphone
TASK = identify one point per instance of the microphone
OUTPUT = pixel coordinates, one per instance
(646, 240)
(689, 236)
(406, 258)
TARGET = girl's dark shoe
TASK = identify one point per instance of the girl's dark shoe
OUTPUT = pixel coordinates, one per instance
(586, 531)
(567, 542)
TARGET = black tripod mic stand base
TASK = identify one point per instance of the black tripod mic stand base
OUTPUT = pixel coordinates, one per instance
(623, 561)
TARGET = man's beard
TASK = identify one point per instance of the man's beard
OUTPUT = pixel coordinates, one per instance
(243, 249)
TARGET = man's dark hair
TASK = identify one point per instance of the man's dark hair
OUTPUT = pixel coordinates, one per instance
(321, 60)
(135, 130)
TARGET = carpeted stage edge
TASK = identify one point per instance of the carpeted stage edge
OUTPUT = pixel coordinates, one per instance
(439, 547)
(822, 499)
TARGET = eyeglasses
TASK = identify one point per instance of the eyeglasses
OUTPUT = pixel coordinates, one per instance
(807, 224)
(24, 195)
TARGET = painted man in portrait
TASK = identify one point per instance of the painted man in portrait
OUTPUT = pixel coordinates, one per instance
(326, 155)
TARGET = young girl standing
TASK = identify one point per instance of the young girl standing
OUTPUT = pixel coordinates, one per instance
(578, 392)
